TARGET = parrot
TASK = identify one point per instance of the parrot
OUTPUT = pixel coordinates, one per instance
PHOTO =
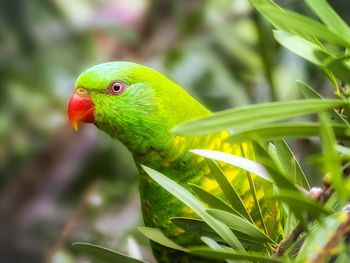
(139, 107)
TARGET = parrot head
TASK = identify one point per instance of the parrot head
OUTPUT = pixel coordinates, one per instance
(132, 103)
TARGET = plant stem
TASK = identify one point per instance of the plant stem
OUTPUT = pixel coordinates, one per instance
(287, 242)
(321, 195)
(335, 239)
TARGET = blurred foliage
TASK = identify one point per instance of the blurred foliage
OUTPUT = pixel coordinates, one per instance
(58, 187)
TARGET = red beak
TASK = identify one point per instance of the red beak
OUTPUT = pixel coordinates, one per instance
(80, 108)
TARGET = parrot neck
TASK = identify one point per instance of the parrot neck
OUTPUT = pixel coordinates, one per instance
(176, 154)
(155, 145)
(164, 150)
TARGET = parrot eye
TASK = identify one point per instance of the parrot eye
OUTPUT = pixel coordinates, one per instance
(116, 87)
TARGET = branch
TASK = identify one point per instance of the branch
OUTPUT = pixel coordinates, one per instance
(289, 240)
(335, 239)
(316, 193)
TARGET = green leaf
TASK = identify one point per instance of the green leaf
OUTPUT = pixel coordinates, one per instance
(239, 224)
(157, 236)
(266, 172)
(328, 16)
(253, 192)
(274, 170)
(200, 228)
(344, 58)
(303, 47)
(228, 190)
(188, 199)
(243, 163)
(307, 91)
(285, 130)
(254, 115)
(195, 226)
(295, 23)
(214, 245)
(282, 181)
(226, 253)
(331, 158)
(290, 164)
(314, 54)
(332, 78)
(310, 93)
(274, 156)
(339, 68)
(301, 205)
(211, 199)
(343, 150)
(211, 243)
(103, 255)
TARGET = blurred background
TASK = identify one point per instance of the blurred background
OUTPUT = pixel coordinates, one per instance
(59, 186)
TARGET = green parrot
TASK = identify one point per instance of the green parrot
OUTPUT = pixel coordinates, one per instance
(139, 107)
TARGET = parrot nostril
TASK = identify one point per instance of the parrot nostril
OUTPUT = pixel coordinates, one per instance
(82, 92)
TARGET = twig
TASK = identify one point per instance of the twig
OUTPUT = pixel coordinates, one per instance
(335, 239)
(321, 195)
(287, 242)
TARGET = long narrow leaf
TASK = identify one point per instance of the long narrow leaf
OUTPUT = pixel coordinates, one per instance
(229, 254)
(195, 226)
(212, 200)
(103, 255)
(343, 150)
(290, 164)
(301, 205)
(267, 172)
(214, 245)
(338, 67)
(157, 236)
(228, 190)
(303, 47)
(298, 24)
(200, 228)
(255, 115)
(239, 224)
(287, 130)
(327, 14)
(331, 157)
(253, 192)
(313, 53)
(234, 160)
(310, 93)
(188, 199)
(274, 170)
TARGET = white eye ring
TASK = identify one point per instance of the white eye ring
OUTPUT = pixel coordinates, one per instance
(116, 87)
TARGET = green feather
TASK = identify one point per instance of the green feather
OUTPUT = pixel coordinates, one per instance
(141, 118)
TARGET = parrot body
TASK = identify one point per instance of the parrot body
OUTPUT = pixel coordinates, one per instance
(139, 107)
